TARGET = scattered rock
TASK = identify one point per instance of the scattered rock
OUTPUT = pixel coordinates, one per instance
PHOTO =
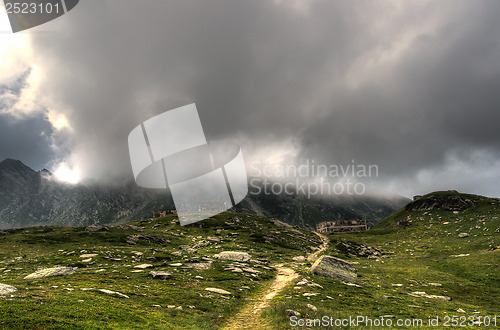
(144, 266)
(129, 227)
(177, 264)
(291, 312)
(87, 260)
(177, 253)
(94, 228)
(460, 255)
(310, 294)
(137, 253)
(312, 307)
(54, 271)
(250, 270)
(220, 291)
(7, 289)
(91, 255)
(213, 239)
(461, 311)
(435, 284)
(113, 293)
(463, 235)
(187, 249)
(315, 285)
(358, 250)
(300, 259)
(201, 265)
(155, 239)
(161, 275)
(336, 268)
(233, 255)
(352, 284)
(201, 243)
(423, 294)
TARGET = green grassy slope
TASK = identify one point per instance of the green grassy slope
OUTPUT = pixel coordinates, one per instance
(427, 251)
(61, 301)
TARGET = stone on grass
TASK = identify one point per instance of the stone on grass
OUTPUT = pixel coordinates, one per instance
(54, 271)
(7, 289)
(300, 259)
(113, 293)
(90, 255)
(312, 307)
(144, 266)
(233, 255)
(291, 312)
(336, 268)
(423, 294)
(219, 291)
(161, 275)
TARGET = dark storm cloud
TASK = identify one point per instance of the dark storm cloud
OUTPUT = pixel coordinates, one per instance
(27, 139)
(409, 86)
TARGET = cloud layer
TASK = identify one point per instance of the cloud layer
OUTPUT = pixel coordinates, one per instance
(410, 86)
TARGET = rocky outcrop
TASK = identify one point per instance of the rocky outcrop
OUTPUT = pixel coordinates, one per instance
(336, 268)
(431, 202)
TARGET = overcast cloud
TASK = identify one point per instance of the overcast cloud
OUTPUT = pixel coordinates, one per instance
(411, 86)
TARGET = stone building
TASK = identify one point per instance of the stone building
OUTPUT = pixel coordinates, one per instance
(337, 226)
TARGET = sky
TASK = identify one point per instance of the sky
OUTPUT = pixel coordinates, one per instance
(408, 86)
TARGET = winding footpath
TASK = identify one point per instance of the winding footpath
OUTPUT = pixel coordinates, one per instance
(250, 317)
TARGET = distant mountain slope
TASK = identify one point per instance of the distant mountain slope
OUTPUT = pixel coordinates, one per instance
(304, 212)
(450, 211)
(30, 198)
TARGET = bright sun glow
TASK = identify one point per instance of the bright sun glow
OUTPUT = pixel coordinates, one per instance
(66, 174)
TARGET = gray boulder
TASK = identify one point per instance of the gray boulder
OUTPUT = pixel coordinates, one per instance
(7, 289)
(233, 255)
(161, 275)
(336, 268)
(54, 271)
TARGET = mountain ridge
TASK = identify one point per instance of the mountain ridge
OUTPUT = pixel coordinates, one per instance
(29, 198)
